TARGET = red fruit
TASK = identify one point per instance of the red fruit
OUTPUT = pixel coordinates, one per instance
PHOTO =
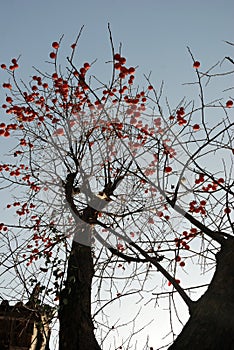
(12, 68)
(117, 57)
(55, 45)
(82, 71)
(122, 60)
(131, 70)
(54, 76)
(9, 99)
(53, 55)
(86, 65)
(117, 65)
(227, 210)
(182, 264)
(196, 127)
(121, 75)
(229, 103)
(3, 66)
(7, 86)
(168, 169)
(196, 64)
(150, 87)
(178, 258)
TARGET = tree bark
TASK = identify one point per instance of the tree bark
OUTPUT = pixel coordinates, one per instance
(76, 326)
(211, 324)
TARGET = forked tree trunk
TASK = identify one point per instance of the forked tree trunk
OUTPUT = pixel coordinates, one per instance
(211, 324)
(76, 326)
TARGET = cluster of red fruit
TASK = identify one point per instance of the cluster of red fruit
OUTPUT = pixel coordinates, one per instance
(194, 207)
(124, 71)
(213, 186)
(181, 242)
(3, 227)
(179, 116)
(12, 67)
(53, 54)
(178, 260)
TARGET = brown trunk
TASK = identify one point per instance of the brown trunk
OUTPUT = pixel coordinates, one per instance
(211, 324)
(76, 326)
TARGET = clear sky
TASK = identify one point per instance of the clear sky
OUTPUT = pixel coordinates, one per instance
(154, 35)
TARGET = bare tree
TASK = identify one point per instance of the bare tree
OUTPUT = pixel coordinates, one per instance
(108, 176)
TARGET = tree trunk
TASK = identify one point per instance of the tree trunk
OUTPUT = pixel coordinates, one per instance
(76, 326)
(211, 324)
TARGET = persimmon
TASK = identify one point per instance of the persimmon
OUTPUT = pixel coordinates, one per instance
(86, 65)
(229, 103)
(122, 60)
(196, 64)
(53, 55)
(7, 86)
(9, 99)
(168, 169)
(54, 76)
(55, 45)
(117, 57)
(15, 66)
(131, 70)
(196, 127)
(121, 75)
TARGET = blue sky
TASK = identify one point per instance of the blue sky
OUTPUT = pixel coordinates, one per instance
(154, 35)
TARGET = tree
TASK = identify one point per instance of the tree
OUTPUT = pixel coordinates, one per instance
(108, 177)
